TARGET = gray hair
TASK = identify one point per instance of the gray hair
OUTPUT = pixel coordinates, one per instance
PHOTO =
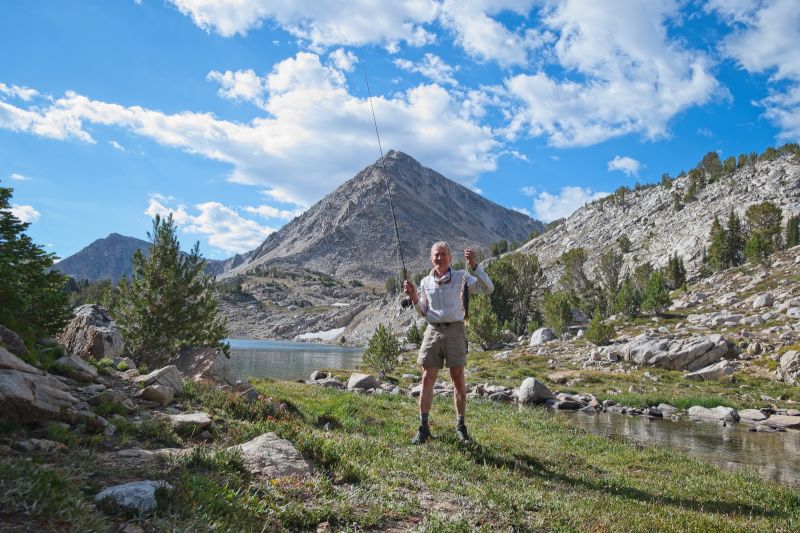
(443, 245)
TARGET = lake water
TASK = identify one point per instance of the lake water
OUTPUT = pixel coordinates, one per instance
(773, 456)
(251, 358)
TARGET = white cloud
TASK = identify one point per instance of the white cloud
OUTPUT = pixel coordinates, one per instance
(483, 37)
(19, 177)
(343, 59)
(529, 191)
(625, 164)
(240, 85)
(549, 207)
(320, 22)
(765, 40)
(15, 91)
(267, 211)
(623, 74)
(116, 145)
(522, 210)
(297, 151)
(432, 67)
(705, 132)
(25, 213)
(225, 228)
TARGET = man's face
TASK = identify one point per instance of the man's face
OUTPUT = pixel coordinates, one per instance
(440, 260)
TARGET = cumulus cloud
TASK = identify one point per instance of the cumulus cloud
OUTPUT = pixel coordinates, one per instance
(765, 41)
(267, 211)
(549, 207)
(623, 74)
(225, 228)
(529, 191)
(25, 213)
(625, 164)
(15, 91)
(297, 151)
(343, 59)
(117, 146)
(320, 22)
(484, 37)
(243, 85)
(432, 67)
(18, 177)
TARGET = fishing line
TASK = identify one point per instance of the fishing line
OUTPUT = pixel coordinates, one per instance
(383, 170)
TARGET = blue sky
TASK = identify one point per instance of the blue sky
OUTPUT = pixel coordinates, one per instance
(236, 115)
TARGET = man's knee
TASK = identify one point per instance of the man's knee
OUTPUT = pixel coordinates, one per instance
(429, 375)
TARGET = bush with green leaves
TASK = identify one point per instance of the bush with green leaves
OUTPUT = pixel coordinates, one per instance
(517, 279)
(598, 332)
(557, 310)
(483, 327)
(415, 334)
(32, 298)
(169, 302)
(382, 351)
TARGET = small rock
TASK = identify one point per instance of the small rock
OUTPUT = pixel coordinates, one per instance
(783, 421)
(12, 342)
(158, 393)
(318, 374)
(362, 381)
(43, 446)
(76, 368)
(541, 336)
(751, 415)
(169, 376)
(269, 456)
(713, 372)
(533, 391)
(763, 300)
(137, 497)
(717, 413)
(189, 422)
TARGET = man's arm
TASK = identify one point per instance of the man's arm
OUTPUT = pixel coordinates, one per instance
(477, 279)
(420, 300)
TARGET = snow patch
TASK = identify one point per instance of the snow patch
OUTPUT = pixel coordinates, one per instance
(328, 335)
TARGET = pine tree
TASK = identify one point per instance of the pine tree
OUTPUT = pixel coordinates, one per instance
(169, 302)
(676, 272)
(483, 328)
(598, 332)
(382, 351)
(518, 279)
(734, 240)
(32, 299)
(557, 310)
(628, 299)
(793, 231)
(656, 297)
(765, 219)
(717, 251)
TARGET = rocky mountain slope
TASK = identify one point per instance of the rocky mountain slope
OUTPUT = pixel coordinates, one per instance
(109, 258)
(349, 233)
(656, 230)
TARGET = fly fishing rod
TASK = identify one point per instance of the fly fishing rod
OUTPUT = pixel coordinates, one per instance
(404, 273)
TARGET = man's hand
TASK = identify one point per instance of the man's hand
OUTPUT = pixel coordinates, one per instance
(469, 255)
(411, 291)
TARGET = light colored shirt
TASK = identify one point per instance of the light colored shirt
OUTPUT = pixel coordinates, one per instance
(441, 302)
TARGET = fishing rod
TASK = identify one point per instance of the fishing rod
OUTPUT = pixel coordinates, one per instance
(405, 302)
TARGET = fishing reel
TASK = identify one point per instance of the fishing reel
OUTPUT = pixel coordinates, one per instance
(405, 302)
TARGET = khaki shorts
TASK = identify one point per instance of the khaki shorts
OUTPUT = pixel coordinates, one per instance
(444, 344)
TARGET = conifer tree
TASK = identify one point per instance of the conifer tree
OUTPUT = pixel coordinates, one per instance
(765, 218)
(656, 297)
(169, 302)
(793, 231)
(628, 299)
(676, 272)
(557, 310)
(717, 251)
(382, 351)
(734, 240)
(32, 298)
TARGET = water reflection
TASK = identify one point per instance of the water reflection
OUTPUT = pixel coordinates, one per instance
(773, 456)
(288, 360)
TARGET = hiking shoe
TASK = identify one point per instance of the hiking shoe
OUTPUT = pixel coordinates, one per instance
(461, 433)
(423, 434)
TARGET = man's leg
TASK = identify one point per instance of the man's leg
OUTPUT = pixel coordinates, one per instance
(460, 400)
(429, 375)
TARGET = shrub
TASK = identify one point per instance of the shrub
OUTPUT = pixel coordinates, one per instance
(656, 296)
(628, 299)
(598, 332)
(517, 280)
(483, 327)
(557, 311)
(382, 351)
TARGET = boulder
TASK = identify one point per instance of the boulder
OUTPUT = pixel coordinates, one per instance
(541, 336)
(189, 422)
(692, 353)
(205, 364)
(790, 366)
(75, 368)
(751, 416)
(26, 393)
(268, 456)
(782, 421)
(138, 497)
(158, 393)
(169, 376)
(713, 372)
(533, 391)
(113, 397)
(92, 333)
(763, 300)
(12, 342)
(793, 312)
(362, 381)
(727, 414)
(318, 374)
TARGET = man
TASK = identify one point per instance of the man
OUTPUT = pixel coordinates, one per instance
(440, 300)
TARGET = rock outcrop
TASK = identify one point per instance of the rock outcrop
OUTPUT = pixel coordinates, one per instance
(92, 333)
(689, 353)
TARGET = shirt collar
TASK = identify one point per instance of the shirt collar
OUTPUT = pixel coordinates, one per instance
(447, 277)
